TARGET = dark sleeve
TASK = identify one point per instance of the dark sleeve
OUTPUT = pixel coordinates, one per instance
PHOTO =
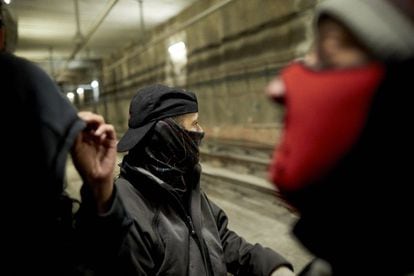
(241, 257)
(47, 110)
(100, 237)
(113, 243)
(44, 125)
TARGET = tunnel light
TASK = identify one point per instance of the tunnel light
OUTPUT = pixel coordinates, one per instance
(71, 96)
(80, 91)
(7, 1)
(95, 90)
(94, 84)
(178, 52)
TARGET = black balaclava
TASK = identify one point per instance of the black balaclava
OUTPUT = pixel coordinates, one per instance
(170, 152)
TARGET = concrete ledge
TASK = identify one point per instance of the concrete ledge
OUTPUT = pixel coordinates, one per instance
(248, 180)
(237, 157)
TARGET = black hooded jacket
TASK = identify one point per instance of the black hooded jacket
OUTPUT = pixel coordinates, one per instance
(153, 233)
(39, 129)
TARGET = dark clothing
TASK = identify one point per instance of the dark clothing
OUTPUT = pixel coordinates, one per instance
(158, 234)
(151, 104)
(359, 216)
(169, 149)
(39, 131)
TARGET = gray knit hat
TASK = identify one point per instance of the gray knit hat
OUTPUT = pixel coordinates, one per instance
(377, 24)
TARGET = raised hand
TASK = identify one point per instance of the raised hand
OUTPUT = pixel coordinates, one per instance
(94, 156)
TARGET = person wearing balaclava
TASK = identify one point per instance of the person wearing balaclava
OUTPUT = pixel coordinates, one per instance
(160, 222)
(343, 160)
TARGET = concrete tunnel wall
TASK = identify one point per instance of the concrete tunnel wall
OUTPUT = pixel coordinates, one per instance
(234, 48)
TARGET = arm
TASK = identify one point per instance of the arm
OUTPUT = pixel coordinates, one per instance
(101, 214)
(94, 156)
(112, 242)
(243, 258)
(276, 89)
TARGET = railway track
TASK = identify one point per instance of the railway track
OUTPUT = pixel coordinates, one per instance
(239, 170)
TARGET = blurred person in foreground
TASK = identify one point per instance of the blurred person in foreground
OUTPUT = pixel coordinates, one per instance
(344, 158)
(38, 220)
(40, 129)
(160, 222)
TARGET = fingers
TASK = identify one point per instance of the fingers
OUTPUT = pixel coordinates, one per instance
(106, 134)
(96, 129)
(90, 118)
(93, 121)
(276, 88)
(106, 129)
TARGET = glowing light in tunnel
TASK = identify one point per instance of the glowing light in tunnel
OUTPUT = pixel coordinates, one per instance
(71, 96)
(178, 52)
(80, 91)
(94, 84)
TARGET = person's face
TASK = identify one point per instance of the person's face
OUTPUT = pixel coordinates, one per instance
(337, 48)
(189, 121)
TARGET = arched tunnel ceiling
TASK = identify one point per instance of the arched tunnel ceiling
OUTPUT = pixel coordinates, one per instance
(47, 28)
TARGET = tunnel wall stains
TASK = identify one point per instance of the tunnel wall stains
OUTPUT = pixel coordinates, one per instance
(233, 49)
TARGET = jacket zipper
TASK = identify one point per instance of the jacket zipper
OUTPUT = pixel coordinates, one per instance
(191, 225)
(203, 251)
(189, 222)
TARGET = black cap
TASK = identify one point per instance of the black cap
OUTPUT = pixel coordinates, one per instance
(153, 103)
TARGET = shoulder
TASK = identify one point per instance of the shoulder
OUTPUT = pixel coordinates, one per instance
(30, 83)
(19, 66)
(137, 203)
(212, 207)
(12, 60)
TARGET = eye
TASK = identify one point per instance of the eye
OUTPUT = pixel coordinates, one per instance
(197, 126)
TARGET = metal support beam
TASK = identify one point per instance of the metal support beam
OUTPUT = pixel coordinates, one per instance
(78, 35)
(89, 34)
(141, 18)
(51, 62)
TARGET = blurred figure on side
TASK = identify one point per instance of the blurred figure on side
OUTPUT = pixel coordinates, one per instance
(40, 129)
(343, 161)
